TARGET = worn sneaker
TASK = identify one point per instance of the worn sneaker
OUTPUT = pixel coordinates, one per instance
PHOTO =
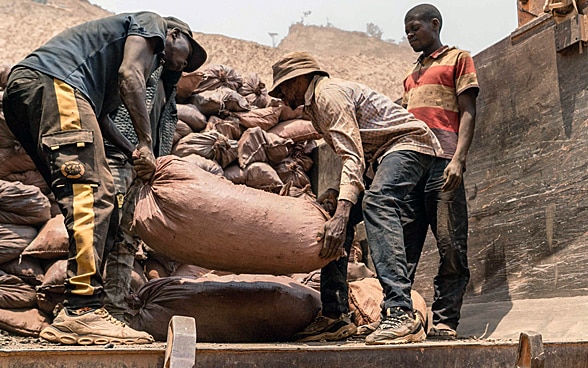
(397, 328)
(441, 331)
(95, 327)
(327, 329)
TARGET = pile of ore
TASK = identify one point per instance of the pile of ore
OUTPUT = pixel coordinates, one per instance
(229, 126)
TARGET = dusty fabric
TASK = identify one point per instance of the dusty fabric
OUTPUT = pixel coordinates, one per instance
(218, 75)
(22, 204)
(24, 322)
(192, 116)
(188, 83)
(219, 100)
(30, 177)
(235, 174)
(230, 227)
(205, 164)
(15, 293)
(27, 268)
(186, 270)
(262, 176)
(54, 280)
(14, 239)
(365, 298)
(138, 278)
(51, 242)
(155, 270)
(257, 145)
(290, 171)
(14, 160)
(233, 308)
(211, 145)
(296, 130)
(229, 127)
(254, 90)
(264, 118)
(182, 130)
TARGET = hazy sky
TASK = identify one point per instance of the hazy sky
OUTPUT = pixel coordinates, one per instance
(469, 24)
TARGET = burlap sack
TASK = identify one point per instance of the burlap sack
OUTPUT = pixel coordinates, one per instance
(15, 293)
(220, 100)
(234, 308)
(257, 145)
(219, 75)
(186, 270)
(14, 239)
(290, 171)
(51, 242)
(262, 176)
(182, 130)
(211, 145)
(27, 268)
(22, 204)
(192, 116)
(55, 275)
(198, 218)
(24, 322)
(254, 90)
(205, 164)
(31, 177)
(296, 130)
(235, 174)
(14, 159)
(138, 278)
(365, 299)
(265, 118)
(188, 83)
(229, 127)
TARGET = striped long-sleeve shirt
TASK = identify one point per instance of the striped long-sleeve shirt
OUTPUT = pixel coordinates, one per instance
(362, 126)
(431, 89)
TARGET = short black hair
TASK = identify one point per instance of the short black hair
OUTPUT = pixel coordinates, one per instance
(425, 12)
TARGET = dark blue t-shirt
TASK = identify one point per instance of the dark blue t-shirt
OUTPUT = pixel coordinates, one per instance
(88, 56)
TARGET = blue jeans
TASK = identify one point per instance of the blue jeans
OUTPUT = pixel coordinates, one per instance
(446, 214)
(394, 178)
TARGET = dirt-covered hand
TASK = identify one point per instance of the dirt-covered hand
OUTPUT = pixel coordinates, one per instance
(144, 162)
(328, 200)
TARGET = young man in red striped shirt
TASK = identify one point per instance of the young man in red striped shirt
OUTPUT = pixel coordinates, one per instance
(440, 90)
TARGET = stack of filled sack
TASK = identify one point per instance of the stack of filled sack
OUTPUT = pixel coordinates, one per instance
(229, 127)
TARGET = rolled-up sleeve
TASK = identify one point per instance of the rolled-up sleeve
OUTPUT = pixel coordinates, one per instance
(339, 119)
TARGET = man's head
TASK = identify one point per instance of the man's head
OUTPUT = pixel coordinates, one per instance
(182, 52)
(422, 25)
(292, 75)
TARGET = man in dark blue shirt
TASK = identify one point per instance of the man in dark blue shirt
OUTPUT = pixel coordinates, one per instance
(57, 104)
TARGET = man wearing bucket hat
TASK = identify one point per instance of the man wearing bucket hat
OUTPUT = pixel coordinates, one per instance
(57, 104)
(385, 150)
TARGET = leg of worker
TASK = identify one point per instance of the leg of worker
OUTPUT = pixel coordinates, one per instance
(333, 322)
(396, 175)
(415, 225)
(57, 125)
(119, 260)
(450, 227)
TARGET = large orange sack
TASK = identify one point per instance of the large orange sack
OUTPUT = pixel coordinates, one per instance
(202, 219)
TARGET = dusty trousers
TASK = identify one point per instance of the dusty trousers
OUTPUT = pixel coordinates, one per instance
(58, 128)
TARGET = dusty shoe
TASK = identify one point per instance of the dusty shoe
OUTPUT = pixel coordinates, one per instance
(397, 328)
(328, 329)
(441, 331)
(96, 327)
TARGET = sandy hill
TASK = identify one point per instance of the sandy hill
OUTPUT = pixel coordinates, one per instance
(27, 24)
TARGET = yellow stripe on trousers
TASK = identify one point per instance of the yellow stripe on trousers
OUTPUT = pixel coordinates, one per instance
(83, 198)
(67, 105)
(83, 228)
